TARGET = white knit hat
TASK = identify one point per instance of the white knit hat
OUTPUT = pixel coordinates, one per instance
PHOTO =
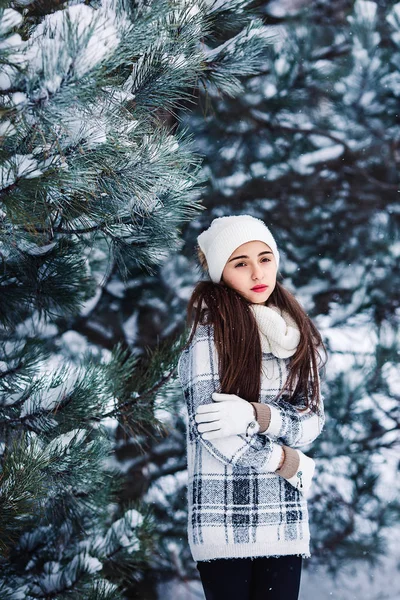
(225, 234)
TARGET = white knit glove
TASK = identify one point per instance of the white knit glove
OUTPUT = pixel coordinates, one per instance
(230, 415)
(298, 469)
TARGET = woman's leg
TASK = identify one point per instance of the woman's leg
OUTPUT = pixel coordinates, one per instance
(276, 578)
(225, 578)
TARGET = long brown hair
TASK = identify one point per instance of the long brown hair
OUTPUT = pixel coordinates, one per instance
(238, 344)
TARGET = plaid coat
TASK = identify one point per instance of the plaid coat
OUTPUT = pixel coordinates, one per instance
(238, 506)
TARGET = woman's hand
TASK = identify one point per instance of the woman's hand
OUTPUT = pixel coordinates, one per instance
(298, 469)
(282, 459)
(230, 415)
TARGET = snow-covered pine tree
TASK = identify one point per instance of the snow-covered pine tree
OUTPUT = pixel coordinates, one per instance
(311, 146)
(93, 183)
(91, 180)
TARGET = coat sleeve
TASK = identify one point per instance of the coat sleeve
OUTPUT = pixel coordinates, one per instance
(198, 375)
(294, 427)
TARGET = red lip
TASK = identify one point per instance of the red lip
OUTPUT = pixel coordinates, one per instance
(259, 288)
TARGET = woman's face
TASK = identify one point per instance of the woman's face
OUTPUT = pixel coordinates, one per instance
(251, 271)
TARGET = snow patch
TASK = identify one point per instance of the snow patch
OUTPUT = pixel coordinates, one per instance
(303, 163)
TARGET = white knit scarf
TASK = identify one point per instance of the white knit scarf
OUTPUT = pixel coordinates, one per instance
(278, 331)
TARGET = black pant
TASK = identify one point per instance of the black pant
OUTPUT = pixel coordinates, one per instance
(263, 578)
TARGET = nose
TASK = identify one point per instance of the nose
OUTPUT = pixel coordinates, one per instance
(257, 272)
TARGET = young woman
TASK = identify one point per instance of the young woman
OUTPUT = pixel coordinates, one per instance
(250, 377)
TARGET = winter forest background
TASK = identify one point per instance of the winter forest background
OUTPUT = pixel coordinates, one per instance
(126, 127)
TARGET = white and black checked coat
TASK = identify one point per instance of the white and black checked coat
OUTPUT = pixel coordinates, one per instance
(238, 506)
